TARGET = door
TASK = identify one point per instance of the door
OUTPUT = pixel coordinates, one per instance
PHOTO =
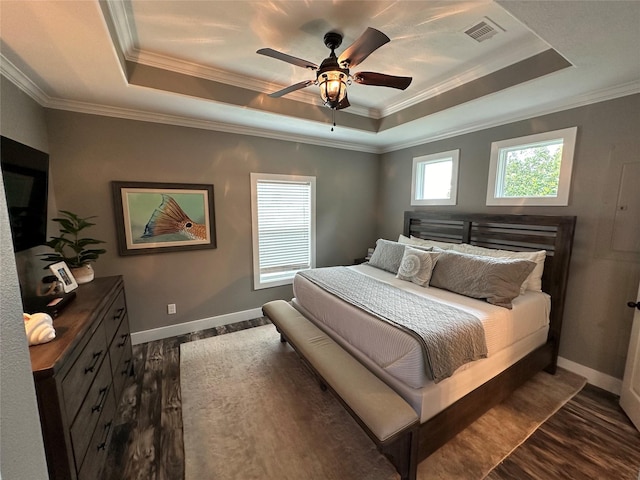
(630, 395)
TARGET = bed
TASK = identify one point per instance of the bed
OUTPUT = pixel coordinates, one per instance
(398, 358)
(520, 340)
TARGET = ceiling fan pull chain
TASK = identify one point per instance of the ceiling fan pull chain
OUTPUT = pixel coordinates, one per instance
(333, 114)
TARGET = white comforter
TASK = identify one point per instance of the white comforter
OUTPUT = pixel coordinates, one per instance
(398, 353)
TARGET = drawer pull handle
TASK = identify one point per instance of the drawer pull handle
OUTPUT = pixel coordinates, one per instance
(102, 399)
(96, 357)
(119, 313)
(107, 428)
(124, 340)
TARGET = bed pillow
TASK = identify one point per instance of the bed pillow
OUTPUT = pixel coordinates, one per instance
(534, 279)
(387, 255)
(416, 266)
(415, 241)
(497, 280)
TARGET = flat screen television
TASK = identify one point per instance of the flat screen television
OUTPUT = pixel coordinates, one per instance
(25, 172)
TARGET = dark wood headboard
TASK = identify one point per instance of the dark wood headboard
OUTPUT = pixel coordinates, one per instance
(509, 232)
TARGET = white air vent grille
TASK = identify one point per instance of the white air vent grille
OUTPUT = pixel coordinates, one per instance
(483, 30)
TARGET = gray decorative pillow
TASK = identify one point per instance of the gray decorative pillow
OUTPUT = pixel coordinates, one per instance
(497, 280)
(387, 255)
(532, 282)
(416, 266)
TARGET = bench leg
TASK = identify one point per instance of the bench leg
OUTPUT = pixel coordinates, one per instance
(403, 454)
(282, 337)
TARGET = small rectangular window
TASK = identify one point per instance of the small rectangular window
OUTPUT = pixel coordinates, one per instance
(532, 170)
(435, 179)
(283, 225)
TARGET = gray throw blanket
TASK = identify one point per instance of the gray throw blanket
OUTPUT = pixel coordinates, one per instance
(450, 337)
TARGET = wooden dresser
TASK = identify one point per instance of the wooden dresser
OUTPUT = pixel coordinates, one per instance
(79, 379)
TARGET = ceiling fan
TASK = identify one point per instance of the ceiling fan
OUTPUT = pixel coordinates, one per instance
(333, 74)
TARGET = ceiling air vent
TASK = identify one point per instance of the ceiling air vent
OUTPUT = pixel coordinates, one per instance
(483, 30)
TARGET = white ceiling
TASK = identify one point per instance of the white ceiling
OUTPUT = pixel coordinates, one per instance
(121, 58)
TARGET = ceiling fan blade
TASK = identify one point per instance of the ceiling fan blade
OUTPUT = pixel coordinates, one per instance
(270, 52)
(366, 44)
(382, 80)
(291, 88)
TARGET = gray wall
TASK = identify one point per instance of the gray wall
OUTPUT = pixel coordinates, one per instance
(360, 197)
(597, 322)
(21, 447)
(88, 152)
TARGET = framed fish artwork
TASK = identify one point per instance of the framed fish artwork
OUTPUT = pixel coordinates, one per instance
(163, 217)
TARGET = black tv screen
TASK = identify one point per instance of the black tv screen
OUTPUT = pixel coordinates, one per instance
(25, 172)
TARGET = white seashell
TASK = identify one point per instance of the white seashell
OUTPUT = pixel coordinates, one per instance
(43, 333)
(39, 328)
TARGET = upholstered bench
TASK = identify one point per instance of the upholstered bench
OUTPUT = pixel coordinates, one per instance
(385, 416)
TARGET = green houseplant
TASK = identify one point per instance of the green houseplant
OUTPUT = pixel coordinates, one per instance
(71, 249)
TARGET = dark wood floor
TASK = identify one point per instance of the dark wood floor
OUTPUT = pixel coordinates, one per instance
(589, 438)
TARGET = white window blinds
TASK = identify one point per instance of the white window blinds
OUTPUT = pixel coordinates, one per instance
(283, 227)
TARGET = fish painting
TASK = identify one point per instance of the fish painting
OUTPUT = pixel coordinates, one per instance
(169, 218)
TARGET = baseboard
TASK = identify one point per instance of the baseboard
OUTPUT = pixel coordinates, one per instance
(594, 377)
(193, 326)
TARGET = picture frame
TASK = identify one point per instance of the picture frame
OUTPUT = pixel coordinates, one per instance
(163, 217)
(62, 272)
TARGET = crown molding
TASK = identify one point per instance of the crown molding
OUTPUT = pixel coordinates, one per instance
(117, 10)
(127, 45)
(193, 69)
(603, 95)
(24, 83)
(450, 80)
(17, 77)
(177, 120)
(20, 80)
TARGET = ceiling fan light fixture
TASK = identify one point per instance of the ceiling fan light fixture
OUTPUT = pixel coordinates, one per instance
(332, 76)
(333, 87)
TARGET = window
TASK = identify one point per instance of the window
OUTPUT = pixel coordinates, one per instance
(283, 216)
(532, 170)
(434, 180)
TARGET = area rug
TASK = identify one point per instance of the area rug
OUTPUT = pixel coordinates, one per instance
(251, 410)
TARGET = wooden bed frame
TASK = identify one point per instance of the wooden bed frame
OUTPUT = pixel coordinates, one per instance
(415, 441)
(507, 232)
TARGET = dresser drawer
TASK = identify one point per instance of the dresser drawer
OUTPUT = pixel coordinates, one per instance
(99, 444)
(121, 371)
(77, 382)
(91, 410)
(114, 316)
(121, 343)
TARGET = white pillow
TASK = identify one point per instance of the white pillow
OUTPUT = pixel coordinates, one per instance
(532, 282)
(424, 243)
(417, 265)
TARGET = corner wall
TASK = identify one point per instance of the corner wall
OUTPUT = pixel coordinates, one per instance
(597, 322)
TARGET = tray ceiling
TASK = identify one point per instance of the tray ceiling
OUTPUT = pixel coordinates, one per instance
(194, 63)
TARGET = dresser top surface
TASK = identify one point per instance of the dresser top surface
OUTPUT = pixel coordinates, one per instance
(73, 323)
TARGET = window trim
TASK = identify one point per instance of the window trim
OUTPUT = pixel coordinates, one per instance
(568, 136)
(454, 155)
(258, 283)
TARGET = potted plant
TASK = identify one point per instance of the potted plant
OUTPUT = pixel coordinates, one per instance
(72, 249)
